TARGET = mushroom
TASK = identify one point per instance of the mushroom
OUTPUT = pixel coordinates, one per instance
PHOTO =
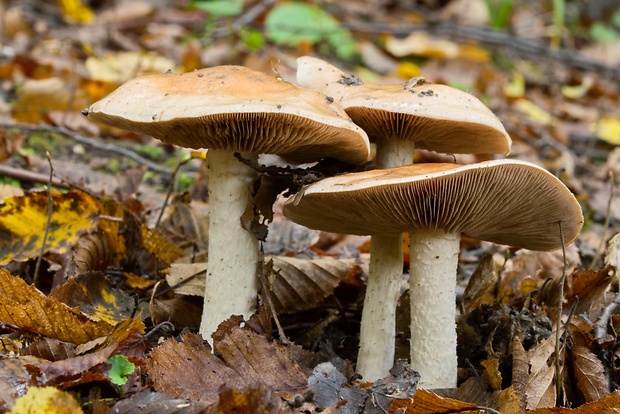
(503, 201)
(230, 109)
(399, 118)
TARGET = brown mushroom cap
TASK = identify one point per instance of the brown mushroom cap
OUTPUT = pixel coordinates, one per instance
(236, 109)
(503, 201)
(436, 117)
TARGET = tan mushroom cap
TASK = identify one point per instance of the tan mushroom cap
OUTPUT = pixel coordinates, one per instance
(436, 117)
(237, 109)
(503, 201)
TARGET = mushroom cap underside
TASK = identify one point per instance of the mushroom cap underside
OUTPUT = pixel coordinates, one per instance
(237, 109)
(503, 201)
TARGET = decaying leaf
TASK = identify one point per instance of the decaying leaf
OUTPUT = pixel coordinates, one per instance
(23, 220)
(296, 283)
(606, 405)
(481, 286)
(46, 400)
(256, 399)
(540, 386)
(520, 369)
(189, 369)
(93, 294)
(26, 307)
(592, 382)
(427, 402)
(491, 373)
(156, 243)
(149, 402)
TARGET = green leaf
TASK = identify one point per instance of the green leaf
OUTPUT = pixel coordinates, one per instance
(600, 32)
(219, 7)
(121, 367)
(292, 23)
(252, 39)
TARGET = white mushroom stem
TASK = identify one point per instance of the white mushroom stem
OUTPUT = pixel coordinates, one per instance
(432, 288)
(231, 286)
(378, 328)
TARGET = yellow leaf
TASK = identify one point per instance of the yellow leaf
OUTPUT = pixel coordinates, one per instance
(516, 87)
(29, 309)
(23, 220)
(608, 129)
(46, 400)
(119, 67)
(473, 53)
(534, 112)
(408, 70)
(75, 11)
(578, 91)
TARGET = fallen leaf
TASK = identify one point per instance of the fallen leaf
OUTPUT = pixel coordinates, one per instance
(149, 402)
(157, 244)
(592, 382)
(608, 129)
(491, 373)
(23, 221)
(422, 44)
(542, 373)
(26, 307)
(427, 402)
(608, 404)
(46, 400)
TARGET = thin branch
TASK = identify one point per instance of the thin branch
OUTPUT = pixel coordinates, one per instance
(50, 206)
(599, 249)
(30, 176)
(558, 326)
(91, 142)
(171, 188)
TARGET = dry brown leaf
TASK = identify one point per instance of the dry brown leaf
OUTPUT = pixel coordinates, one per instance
(157, 244)
(15, 379)
(590, 375)
(149, 402)
(608, 404)
(509, 401)
(257, 360)
(520, 369)
(491, 373)
(480, 289)
(256, 399)
(426, 402)
(91, 252)
(188, 369)
(181, 311)
(542, 372)
(612, 254)
(298, 284)
(27, 308)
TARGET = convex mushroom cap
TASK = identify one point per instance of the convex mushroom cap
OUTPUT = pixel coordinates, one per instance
(436, 117)
(236, 109)
(508, 202)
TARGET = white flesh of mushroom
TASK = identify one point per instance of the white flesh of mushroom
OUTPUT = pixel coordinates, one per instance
(233, 251)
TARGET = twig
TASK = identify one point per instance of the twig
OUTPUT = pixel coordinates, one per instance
(600, 327)
(559, 321)
(171, 188)
(50, 206)
(263, 280)
(597, 254)
(91, 142)
(33, 177)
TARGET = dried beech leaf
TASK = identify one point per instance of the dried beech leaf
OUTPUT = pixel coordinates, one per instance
(426, 402)
(590, 374)
(181, 311)
(480, 289)
(157, 244)
(15, 379)
(50, 349)
(491, 373)
(26, 307)
(256, 399)
(612, 254)
(520, 369)
(296, 284)
(542, 373)
(188, 369)
(509, 401)
(149, 402)
(23, 220)
(95, 296)
(302, 283)
(608, 404)
(257, 360)
(91, 252)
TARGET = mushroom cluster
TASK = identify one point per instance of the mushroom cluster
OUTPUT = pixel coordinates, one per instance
(232, 110)
(435, 203)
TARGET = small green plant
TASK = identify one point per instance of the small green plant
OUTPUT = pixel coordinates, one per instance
(121, 368)
(291, 23)
(499, 11)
